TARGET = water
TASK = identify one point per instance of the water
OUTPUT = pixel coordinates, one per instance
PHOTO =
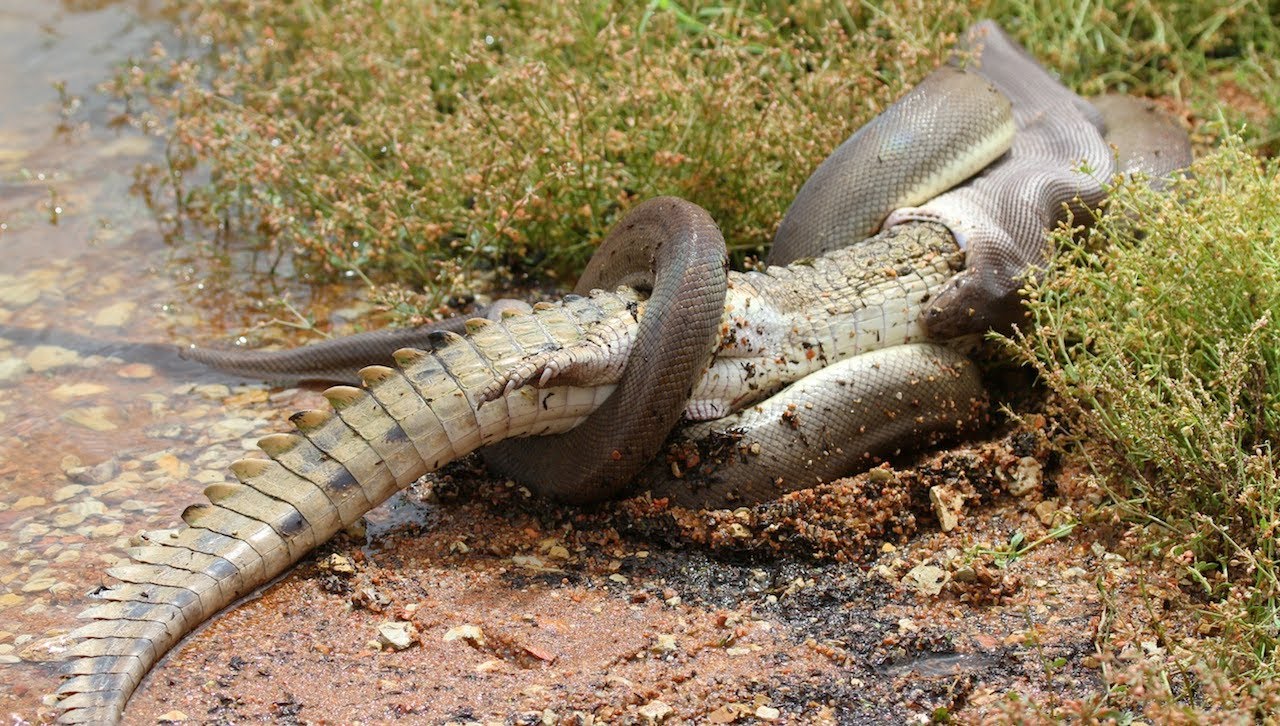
(99, 437)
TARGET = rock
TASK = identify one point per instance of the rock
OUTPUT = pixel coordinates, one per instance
(62, 494)
(47, 357)
(13, 369)
(1074, 573)
(948, 506)
(339, 565)
(136, 370)
(28, 502)
(664, 643)
(174, 716)
(656, 711)
(397, 635)
(68, 391)
(39, 584)
(19, 295)
(1047, 511)
(114, 316)
(926, 579)
(94, 418)
(213, 391)
(470, 633)
(1026, 477)
(768, 713)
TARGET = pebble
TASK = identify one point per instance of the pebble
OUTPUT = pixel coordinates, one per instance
(12, 369)
(19, 295)
(47, 357)
(108, 530)
(656, 711)
(136, 370)
(62, 494)
(470, 633)
(39, 584)
(926, 579)
(114, 316)
(68, 391)
(232, 428)
(212, 391)
(67, 520)
(397, 635)
(95, 418)
(172, 716)
(28, 502)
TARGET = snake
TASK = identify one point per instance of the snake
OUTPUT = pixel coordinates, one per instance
(784, 378)
(992, 111)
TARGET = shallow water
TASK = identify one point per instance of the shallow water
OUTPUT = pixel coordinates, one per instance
(103, 430)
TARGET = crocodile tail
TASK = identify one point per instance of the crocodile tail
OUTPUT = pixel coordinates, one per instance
(339, 464)
(245, 535)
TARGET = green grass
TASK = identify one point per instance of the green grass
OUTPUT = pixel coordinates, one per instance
(458, 147)
(1159, 338)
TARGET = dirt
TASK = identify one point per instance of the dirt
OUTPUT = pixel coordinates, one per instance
(805, 606)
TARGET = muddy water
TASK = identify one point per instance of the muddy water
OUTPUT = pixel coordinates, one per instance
(100, 437)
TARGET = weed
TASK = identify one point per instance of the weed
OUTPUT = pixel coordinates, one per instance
(1157, 334)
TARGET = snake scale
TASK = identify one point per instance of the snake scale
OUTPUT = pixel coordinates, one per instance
(808, 368)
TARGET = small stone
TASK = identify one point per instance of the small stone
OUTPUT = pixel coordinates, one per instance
(66, 520)
(470, 633)
(656, 711)
(1026, 477)
(664, 643)
(69, 391)
(115, 315)
(12, 369)
(10, 599)
(174, 716)
(47, 357)
(232, 428)
(1074, 573)
(767, 713)
(94, 418)
(136, 371)
(1047, 511)
(103, 531)
(68, 556)
(965, 573)
(28, 502)
(947, 505)
(926, 579)
(397, 635)
(338, 564)
(10, 659)
(62, 494)
(880, 475)
(88, 507)
(212, 391)
(19, 295)
(39, 584)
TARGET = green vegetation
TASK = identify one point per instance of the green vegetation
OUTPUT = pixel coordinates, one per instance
(455, 146)
(1159, 337)
(451, 146)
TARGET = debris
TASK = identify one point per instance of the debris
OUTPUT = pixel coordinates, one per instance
(397, 635)
(926, 579)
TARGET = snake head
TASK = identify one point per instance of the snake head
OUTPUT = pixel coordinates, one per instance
(982, 297)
